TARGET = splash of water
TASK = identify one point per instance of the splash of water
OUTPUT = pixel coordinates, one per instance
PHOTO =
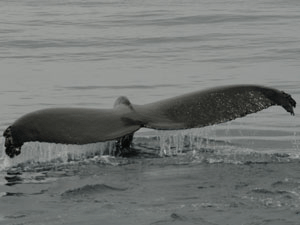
(179, 142)
(195, 145)
(46, 152)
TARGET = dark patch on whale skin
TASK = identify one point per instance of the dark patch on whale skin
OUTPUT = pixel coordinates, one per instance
(196, 109)
(11, 148)
(281, 98)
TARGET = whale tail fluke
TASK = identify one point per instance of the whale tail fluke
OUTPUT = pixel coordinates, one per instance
(197, 109)
(213, 106)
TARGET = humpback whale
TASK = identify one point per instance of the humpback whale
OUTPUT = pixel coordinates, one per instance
(192, 110)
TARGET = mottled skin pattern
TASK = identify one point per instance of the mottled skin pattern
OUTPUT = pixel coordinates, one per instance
(196, 109)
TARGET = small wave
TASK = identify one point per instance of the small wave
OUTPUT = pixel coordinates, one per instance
(119, 87)
(214, 19)
(90, 190)
(262, 191)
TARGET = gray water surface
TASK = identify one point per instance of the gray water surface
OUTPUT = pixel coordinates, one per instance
(87, 53)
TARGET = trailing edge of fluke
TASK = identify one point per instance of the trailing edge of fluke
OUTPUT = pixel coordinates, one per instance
(196, 109)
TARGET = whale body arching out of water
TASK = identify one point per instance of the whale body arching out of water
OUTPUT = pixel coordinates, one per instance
(196, 109)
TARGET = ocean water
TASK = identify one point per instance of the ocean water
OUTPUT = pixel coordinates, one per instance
(86, 53)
